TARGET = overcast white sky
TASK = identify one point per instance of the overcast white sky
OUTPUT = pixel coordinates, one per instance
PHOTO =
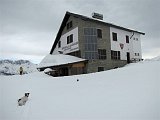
(28, 27)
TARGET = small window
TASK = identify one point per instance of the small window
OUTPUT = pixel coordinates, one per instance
(59, 44)
(114, 35)
(99, 33)
(115, 55)
(100, 69)
(137, 54)
(69, 25)
(137, 39)
(127, 39)
(70, 39)
(102, 54)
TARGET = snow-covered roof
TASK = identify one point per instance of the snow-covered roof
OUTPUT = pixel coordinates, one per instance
(59, 59)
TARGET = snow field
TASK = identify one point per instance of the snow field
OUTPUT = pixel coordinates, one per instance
(128, 93)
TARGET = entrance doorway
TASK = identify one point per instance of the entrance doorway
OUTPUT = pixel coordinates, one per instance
(128, 57)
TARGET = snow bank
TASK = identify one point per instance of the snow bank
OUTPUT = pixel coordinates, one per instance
(129, 93)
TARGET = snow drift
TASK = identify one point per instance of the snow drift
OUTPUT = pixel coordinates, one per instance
(128, 93)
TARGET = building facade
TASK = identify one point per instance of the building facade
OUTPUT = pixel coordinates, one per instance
(104, 45)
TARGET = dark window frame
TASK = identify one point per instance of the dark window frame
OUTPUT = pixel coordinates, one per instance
(137, 54)
(114, 36)
(102, 55)
(69, 25)
(99, 33)
(100, 69)
(115, 55)
(127, 39)
(70, 39)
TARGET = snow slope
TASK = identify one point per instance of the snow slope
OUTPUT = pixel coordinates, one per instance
(128, 93)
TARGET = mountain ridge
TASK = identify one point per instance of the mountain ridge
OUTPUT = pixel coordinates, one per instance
(11, 67)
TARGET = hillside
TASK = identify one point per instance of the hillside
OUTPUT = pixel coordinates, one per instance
(10, 67)
(128, 93)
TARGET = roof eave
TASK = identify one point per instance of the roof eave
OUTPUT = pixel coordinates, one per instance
(85, 61)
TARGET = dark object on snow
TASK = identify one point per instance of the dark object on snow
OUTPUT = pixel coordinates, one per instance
(77, 80)
(20, 70)
(23, 100)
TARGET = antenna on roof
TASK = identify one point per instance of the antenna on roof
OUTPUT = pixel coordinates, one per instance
(97, 16)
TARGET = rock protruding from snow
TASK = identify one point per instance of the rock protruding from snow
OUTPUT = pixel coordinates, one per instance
(10, 67)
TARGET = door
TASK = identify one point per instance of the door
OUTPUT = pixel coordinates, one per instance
(128, 57)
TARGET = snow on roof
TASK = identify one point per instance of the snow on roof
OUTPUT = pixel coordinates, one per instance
(59, 59)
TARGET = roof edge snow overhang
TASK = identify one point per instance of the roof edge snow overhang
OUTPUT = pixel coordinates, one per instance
(68, 14)
(85, 61)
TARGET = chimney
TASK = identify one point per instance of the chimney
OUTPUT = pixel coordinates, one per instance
(97, 16)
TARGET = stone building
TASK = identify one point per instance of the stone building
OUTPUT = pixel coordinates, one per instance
(103, 45)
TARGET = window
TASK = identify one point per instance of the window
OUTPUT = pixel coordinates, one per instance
(90, 40)
(102, 54)
(100, 69)
(136, 54)
(127, 39)
(115, 55)
(99, 33)
(69, 25)
(70, 39)
(114, 35)
(59, 44)
(135, 39)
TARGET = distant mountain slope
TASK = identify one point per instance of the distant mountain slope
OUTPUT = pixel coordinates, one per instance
(156, 58)
(10, 67)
